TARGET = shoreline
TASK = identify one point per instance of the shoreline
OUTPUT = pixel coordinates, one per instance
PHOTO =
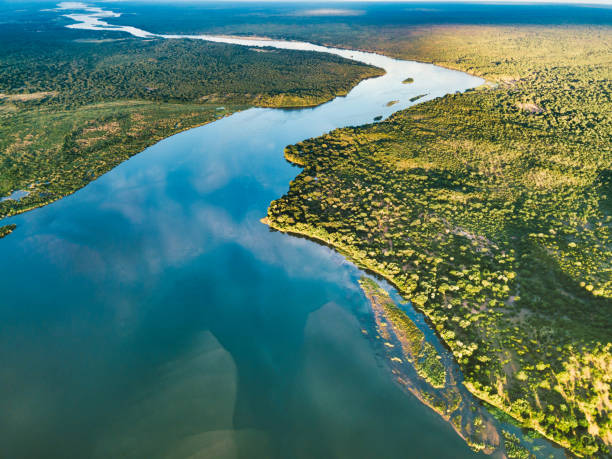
(447, 400)
(444, 65)
(341, 93)
(57, 198)
(82, 23)
(478, 396)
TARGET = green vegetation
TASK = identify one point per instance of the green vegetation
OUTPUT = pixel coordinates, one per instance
(52, 152)
(419, 369)
(514, 449)
(6, 230)
(491, 212)
(408, 80)
(72, 108)
(415, 98)
(422, 354)
(79, 71)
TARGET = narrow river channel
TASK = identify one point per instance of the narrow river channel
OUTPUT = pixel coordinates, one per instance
(151, 314)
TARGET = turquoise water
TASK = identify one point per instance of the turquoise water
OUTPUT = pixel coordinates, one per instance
(151, 314)
(15, 195)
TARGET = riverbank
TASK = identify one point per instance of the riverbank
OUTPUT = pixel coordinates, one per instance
(142, 266)
(442, 407)
(443, 200)
(103, 102)
(6, 230)
(419, 368)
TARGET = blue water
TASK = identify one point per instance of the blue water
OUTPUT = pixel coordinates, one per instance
(151, 314)
(15, 195)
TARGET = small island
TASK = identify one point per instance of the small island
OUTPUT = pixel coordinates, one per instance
(408, 81)
(415, 98)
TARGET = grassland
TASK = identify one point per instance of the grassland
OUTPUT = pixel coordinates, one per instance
(491, 212)
(73, 104)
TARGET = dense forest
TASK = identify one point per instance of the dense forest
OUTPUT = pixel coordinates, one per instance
(74, 104)
(80, 71)
(491, 212)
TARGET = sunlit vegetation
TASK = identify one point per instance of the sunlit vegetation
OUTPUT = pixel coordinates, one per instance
(6, 230)
(418, 367)
(408, 80)
(72, 108)
(493, 219)
(415, 349)
(74, 71)
(78, 145)
(513, 447)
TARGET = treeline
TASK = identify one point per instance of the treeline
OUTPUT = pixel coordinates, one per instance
(89, 70)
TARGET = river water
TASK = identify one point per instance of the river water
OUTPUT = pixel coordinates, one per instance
(151, 314)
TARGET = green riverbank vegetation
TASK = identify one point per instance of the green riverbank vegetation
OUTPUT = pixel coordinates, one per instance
(419, 352)
(74, 104)
(433, 379)
(491, 211)
(6, 230)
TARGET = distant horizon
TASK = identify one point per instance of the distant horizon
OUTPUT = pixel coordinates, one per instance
(517, 2)
(492, 2)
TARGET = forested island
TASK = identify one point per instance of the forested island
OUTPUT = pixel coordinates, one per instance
(491, 212)
(75, 104)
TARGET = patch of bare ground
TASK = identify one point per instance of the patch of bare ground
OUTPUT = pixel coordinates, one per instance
(26, 97)
(530, 107)
(91, 135)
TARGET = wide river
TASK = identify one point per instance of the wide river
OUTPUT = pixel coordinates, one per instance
(151, 314)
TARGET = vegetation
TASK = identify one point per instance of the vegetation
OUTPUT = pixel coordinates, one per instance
(408, 80)
(78, 145)
(105, 66)
(492, 217)
(514, 449)
(75, 104)
(419, 352)
(6, 230)
(419, 368)
(491, 211)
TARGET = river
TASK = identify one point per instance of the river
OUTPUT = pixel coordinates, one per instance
(151, 314)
